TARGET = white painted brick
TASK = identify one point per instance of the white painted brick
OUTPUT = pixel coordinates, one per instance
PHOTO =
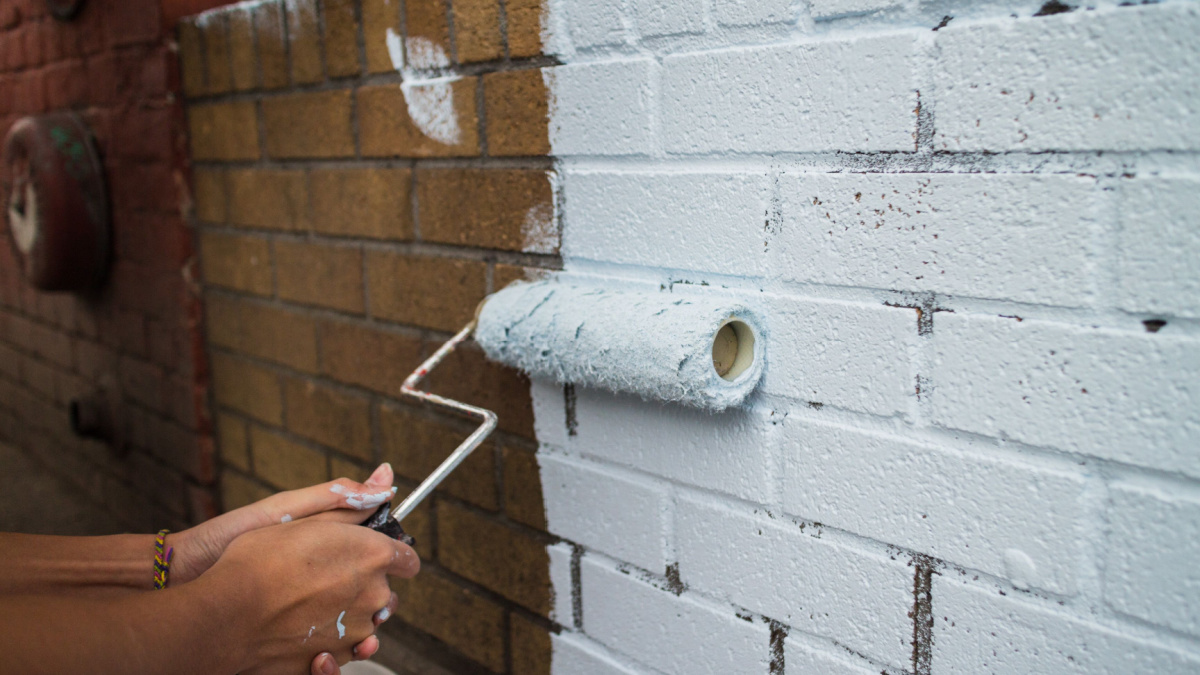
(1000, 517)
(590, 505)
(595, 23)
(848, 355)
(980, 631)
(773, 567)
(667, 17)
(830, 9)
(727, 452)
(673, 634)
(1120, 79)
(1153, 569)
(742, 13)
(1159, 246)
(693, 221)
(855, 95)
(1130, 397)
(800, 658)
(600, 108)
(1014, 237)
(562, 607)
(572, 654)
(549, 412)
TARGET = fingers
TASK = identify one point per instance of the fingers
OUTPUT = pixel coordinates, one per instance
(325, 664)
(342, 494)
(387, 611)
(366, 649)
(404, 563)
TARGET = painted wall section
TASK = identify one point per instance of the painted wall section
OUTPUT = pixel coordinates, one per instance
(140, 336)
(972, 232)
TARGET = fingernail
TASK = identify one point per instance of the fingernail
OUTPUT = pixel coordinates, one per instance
(327, 665)
(380, 474)
(383, 614)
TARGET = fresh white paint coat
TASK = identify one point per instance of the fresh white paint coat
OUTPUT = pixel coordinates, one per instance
(953, 238)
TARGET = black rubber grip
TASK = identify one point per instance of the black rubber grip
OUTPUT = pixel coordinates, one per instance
(382, 521)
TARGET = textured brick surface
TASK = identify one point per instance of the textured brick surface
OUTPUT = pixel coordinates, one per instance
(329, 417)
(316, 274)
(416, 444)
(492, 208)
(363, 203)
(286, 464)
(285, 337)
(241, 263)
(386, 128)
(495, 555)
(368, 357)
(517, 111)
(309, 125)
(424, 291)
(224, 131)
(247, 388)
(271, 199)
(477, 30)
(1159, 244)
(452, 613)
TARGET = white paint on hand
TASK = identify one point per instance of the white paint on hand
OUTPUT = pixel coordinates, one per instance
(340, 626)
(310, 632)
(362, 500)
(287, 518)
(429, 99)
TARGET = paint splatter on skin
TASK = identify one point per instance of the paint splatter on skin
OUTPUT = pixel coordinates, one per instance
(310, 632)
(340, 626)
(363, 500)
(430, 100)
(287, 518)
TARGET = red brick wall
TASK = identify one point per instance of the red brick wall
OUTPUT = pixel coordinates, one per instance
(141, 334)
(339, 245)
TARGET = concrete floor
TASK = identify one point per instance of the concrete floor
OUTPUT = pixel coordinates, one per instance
(34, 501)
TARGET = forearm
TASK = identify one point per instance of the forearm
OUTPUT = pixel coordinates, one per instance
(39, 564)
(192, 629)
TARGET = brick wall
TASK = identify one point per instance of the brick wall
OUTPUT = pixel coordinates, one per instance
(972, 231)
(140, 335)
(347, 226)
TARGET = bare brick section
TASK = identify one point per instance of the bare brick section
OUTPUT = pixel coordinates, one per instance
(270, 199)
(507, 209)
(224, 131)
(517, 113)
(424, 291)
(309, 125)
(361, 202)
(372, 222)
(316, 274)
(386, 130)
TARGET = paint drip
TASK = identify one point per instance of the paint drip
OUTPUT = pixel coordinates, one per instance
(287, 518)
(340, 626)
(654, 344)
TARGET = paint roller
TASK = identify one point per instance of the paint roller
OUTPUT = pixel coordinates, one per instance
(703, 351)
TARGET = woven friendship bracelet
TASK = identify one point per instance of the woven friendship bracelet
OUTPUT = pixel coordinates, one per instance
(162, 563)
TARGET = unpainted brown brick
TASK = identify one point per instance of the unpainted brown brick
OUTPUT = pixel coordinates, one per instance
(425, 291)
(238, 490)
(313, 125)
(233, 441)
(503, 275)
(530, 644)
(386, 130)
(508, 209)
(341, 467)
(374, 203)
(191, 58)
(241, 48)
(477, 30)
(523, 488)
(237, 262)
(216, 55)
(272, 44)
(524, 28)
(463, 619)
(243, 386)
(517, 113)
(336, 419)
(224, 131)
(263, 331)
(38, 376)
(419, 523)
(319, 274)
(209, 195)
(495, 555)
(368, 357)
(417, 443)
(426, 19)
(378, 17)
(341, 38)
(284, 463)
(467, 375)
(268, 198)
(304, 37)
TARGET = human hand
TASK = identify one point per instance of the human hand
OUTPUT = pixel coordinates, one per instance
(309, 587)
(341, 500)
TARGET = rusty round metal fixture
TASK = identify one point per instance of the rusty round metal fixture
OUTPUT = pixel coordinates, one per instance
(57, 205)
(64, 10)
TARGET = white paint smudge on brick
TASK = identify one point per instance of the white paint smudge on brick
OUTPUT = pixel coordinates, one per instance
(429, 99)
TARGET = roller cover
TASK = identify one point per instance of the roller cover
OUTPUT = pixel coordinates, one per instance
(654, 344)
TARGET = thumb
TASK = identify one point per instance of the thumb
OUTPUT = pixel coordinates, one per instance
(325, 664)
(382, 477)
